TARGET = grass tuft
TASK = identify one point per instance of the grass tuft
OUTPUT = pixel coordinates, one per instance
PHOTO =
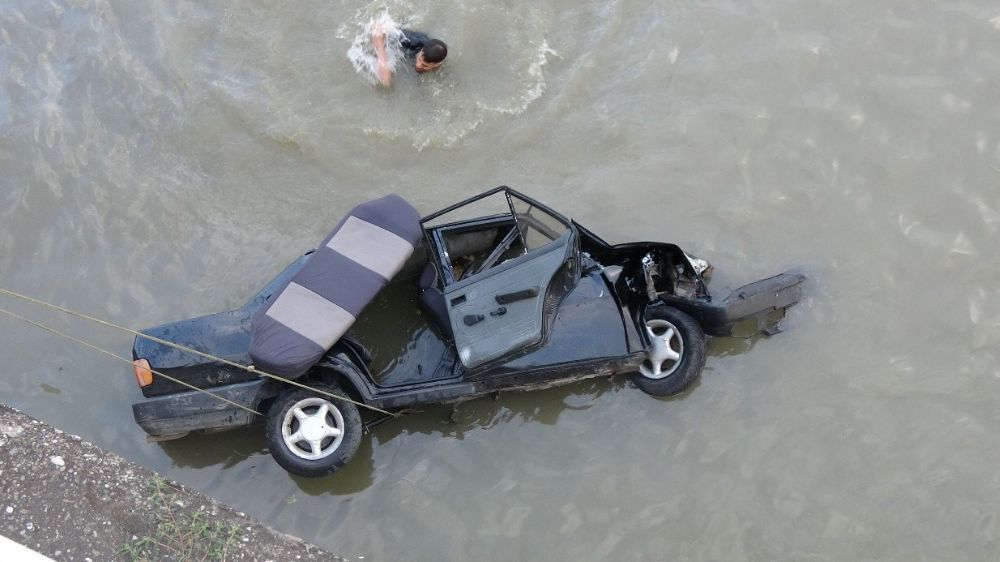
(179, 536)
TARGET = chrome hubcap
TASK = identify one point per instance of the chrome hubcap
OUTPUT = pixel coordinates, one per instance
(665, 352)
(313, 428)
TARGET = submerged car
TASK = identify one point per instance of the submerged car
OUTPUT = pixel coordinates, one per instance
(506, 294)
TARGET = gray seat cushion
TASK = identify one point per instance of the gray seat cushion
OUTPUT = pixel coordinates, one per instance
(305, 317)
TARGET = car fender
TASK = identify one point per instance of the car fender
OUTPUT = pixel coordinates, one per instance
(348, 371)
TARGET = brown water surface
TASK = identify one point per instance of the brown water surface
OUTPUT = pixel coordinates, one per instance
(162, 160)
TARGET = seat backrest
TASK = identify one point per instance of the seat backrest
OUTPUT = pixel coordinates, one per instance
(432, 300)
(306, 316)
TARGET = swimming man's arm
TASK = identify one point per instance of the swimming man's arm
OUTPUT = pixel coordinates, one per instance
(384, 72)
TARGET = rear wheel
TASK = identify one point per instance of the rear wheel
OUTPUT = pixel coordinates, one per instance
(310, 434)
(676, 355)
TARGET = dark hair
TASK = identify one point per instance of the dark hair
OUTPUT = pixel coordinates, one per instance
(435, 50)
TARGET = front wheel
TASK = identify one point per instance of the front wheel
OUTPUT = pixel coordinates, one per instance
(311, 434)
(676, 354)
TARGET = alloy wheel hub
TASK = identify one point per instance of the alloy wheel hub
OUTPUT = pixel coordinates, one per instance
(665, 352)
(313, 428)
(307, 430)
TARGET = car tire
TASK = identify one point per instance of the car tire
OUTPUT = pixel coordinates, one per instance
(306, 443)
(677, 353)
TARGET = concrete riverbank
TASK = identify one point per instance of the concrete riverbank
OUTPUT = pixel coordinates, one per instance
(69, 500)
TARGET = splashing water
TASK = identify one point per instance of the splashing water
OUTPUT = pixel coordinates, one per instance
(362, 52)
(306, 91)
(493, 71)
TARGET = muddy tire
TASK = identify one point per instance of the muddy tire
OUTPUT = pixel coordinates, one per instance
(676, 356)
(310, 434)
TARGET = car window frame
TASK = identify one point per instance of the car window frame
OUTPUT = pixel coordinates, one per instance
(561, 242)
(433, 236)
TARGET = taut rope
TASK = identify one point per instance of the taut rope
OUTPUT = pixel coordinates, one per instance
(174, 345)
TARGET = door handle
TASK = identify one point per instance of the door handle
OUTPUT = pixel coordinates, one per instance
(499, 312)
(507, 298)
(471, 319)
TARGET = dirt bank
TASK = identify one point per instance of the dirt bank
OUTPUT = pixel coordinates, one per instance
(70, 500)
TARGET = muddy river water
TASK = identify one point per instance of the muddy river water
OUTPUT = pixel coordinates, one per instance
(164, 159)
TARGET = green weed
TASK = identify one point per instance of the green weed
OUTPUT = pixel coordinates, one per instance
(179, 536)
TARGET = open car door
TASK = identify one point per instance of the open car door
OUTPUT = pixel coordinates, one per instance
(504, 275)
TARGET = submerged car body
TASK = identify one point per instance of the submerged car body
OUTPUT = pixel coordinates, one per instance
(509, 294)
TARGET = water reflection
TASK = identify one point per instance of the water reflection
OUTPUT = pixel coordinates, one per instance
(499, 409)
(445, 421)
(229, 448)
(727, 347)
(358, 475)
(495, 412)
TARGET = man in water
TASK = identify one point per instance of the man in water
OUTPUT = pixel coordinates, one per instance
(428, 54)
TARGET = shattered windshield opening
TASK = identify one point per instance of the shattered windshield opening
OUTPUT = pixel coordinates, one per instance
(485, 233)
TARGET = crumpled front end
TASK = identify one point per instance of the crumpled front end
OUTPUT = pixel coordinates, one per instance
(760, 306)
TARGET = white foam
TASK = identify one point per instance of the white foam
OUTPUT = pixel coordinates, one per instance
(962, 245)
(906, 224)
(533, 92)
(440, 109)
(989, 215)
(975, 307)
(362, 51)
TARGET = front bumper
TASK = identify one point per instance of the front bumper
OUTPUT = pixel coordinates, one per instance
(763, 302)
(176, 415)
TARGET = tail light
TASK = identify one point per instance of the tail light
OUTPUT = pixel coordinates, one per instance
(143, 374)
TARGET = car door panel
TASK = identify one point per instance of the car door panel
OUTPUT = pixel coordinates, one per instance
(587, 326)
(501, 311)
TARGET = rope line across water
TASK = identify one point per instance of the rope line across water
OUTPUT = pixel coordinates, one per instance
(120, 358)
(174, 345)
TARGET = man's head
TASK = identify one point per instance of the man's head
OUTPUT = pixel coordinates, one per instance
(431, 56)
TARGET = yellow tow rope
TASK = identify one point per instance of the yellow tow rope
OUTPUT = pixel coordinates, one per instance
(167, 343)
(119, 357)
